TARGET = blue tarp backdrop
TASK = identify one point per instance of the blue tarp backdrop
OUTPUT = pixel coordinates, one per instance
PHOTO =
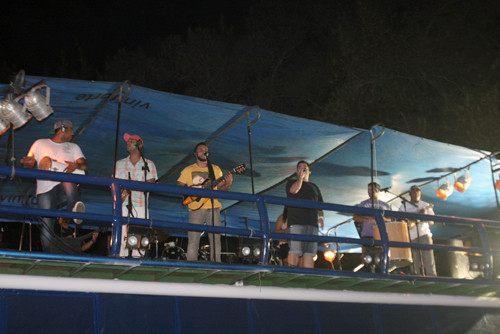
(172, 124)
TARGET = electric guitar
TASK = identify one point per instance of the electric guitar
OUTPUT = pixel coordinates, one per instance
(240, 169)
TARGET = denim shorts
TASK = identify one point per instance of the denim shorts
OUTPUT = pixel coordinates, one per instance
(308, 248)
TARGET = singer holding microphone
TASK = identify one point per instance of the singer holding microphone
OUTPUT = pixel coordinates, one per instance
(137, 168)
(303, 220)
(203, 210)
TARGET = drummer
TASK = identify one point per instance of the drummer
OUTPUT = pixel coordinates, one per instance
(423, 259)
(44, 152)
(373, 202)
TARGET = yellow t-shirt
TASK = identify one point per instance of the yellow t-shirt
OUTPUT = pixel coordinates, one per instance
(194, 176)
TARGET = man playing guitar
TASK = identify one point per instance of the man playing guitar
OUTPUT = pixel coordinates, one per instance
(201, 211)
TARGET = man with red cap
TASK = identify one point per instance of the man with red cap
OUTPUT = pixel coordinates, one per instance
(134, 167)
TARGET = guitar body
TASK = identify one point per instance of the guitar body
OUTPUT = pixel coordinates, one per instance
(186, 200)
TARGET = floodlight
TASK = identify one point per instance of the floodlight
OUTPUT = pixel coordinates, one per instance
(444, 191)
(14, 113)
(37, 104)
(463, 182)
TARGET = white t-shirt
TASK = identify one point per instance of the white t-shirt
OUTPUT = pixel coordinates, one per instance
(59, 152)
(423, 227)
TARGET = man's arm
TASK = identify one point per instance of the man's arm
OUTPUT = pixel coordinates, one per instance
(295, 187)
(80, 163)
(321, 218)
(281, 225)
(367, 219)
(226, 183)
(28, 161)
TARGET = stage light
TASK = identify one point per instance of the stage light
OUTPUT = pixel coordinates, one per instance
(444, 191)
(4, 126)
(372, 256)
(256, 251)
(245, 250)
(11, 111)
(37, 104)
(14, 113)
(329, 255)
(138, 237)
(463, 182)
(144, 241)
(250, 250)
(132, 240)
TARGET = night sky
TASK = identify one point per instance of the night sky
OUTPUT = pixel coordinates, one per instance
(411, 65)
(36, 31)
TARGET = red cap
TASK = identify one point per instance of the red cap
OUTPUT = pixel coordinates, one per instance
(126, 137)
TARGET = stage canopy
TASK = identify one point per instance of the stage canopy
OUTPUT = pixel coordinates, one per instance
(171, 125)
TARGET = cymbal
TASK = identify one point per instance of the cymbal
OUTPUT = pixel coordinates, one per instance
(160, 236)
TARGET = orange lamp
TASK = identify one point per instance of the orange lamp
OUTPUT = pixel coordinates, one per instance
(329, 255)
(463, 182)
(444, 191)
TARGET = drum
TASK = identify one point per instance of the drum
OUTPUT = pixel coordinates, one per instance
(396, 231)
(47, 163)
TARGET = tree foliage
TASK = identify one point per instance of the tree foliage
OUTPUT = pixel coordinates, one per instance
(428, 68)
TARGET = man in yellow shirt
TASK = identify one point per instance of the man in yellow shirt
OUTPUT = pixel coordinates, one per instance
(204, 210)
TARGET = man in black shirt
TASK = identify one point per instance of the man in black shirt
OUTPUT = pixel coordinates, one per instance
(303, 220)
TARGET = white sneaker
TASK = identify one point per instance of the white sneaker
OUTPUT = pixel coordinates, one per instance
(80, 208)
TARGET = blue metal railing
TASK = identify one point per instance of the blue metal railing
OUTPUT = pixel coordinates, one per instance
(261, 202)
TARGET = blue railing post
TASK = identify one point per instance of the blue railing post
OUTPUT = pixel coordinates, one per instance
(264, 226)
(385, 239)
(117, 220)
(487, 251)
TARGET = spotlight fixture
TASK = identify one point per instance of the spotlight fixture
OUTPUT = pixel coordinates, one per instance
(37, 104)
(14, 112)
(144, 241)
(11, 111)
(4, 126)
(477, 263)
(138, 237)
(463, 182)
(329, 255)
(372, 256)
(250, 250)
(444, 191)
(132, 240)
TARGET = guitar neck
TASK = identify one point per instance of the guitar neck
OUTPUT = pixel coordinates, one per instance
(219, 180)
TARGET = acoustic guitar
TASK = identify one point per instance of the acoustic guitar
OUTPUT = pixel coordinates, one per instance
(240, 169)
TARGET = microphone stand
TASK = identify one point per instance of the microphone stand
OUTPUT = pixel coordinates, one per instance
(211, 175)
(130, 213)
(421, 268)
(146, 170)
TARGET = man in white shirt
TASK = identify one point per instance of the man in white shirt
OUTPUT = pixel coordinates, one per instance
(134, 167)
(423, 259)
(56, 154)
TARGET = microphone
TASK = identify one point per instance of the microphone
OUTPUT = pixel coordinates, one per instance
(206, 154)
(385, 189)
